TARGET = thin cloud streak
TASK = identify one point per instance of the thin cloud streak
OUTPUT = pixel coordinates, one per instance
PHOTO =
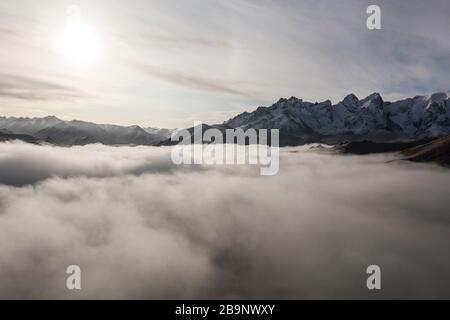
(27, 88)
(188, 80)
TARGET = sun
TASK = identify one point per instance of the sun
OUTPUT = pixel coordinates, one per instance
(78, 41)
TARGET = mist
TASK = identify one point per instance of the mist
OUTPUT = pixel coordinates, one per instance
(141, 228)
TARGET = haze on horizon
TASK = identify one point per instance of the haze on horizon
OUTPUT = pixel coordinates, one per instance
(167, 63)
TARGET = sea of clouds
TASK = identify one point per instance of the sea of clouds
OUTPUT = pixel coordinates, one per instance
(141, 227)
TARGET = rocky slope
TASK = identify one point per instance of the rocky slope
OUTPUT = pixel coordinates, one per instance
(437, 151)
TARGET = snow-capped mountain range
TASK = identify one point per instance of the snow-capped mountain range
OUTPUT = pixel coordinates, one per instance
(370, 118)
(299, 122)
(76, 132)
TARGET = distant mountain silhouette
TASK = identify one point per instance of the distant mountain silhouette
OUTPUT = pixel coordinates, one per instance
(80, 132)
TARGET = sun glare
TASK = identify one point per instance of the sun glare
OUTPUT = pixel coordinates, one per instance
(78, 41)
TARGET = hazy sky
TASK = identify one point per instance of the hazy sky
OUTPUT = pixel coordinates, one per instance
(170, 62)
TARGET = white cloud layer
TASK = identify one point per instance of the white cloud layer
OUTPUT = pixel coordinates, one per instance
(141, 228)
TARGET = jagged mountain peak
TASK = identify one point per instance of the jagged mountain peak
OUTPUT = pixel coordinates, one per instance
(374, 98)
(439, 97)
(351, 101)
